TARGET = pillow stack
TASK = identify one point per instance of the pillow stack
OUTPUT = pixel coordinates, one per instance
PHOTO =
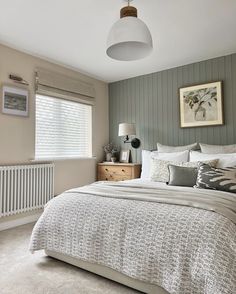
(148, 155)
(160, 168)
(212, 168)
(164, 152)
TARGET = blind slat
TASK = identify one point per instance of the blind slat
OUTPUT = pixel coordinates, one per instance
(63, 128)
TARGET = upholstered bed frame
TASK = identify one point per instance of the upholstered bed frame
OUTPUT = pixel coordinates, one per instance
(109, 273)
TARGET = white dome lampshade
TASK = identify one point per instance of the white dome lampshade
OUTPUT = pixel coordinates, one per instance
(129, 38)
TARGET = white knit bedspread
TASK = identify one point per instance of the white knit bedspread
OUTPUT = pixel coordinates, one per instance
(185, 250)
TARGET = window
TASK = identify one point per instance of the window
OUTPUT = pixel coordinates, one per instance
(63, 128)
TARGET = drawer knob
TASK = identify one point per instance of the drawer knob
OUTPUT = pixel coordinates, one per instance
(106, 169)
(123, 170)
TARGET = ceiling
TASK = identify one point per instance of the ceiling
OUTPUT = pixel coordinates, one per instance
(74, 32)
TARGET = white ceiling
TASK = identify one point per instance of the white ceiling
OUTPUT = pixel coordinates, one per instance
(74, 32)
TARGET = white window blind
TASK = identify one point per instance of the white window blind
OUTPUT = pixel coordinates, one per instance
(63, 128)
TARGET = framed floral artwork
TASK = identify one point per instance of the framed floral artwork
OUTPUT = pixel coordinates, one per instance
(201, 105)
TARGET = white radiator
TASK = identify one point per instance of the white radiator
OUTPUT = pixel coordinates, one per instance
(25, 187)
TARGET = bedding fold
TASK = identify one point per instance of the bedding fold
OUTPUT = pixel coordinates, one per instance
(222, 203)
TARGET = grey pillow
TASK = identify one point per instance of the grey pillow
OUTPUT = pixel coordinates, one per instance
(217, 149)
(223, 179)
(170, 149)
(182, 176)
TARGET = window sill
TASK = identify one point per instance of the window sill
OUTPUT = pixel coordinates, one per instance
(46, 159)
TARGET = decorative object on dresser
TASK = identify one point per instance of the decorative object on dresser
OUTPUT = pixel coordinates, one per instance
(126, 129)
(14, 101)
(118, 171)
(111, 150)
(201, 105)
(124, 156)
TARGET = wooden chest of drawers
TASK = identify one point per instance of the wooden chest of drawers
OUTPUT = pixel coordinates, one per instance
(118, 171)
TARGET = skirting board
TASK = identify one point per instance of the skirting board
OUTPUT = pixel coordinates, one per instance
(19, 221)
(108, 273)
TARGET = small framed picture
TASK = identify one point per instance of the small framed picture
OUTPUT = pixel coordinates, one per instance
(124, 156)
(201, 105)
(14, 101)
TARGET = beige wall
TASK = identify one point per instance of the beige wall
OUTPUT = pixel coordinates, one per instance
(17, 134)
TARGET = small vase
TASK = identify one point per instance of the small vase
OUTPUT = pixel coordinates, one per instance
(108, 156)
(113, 159)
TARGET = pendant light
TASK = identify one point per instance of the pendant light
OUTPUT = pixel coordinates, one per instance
(129, 38)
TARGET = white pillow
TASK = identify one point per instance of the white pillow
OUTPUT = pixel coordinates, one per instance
(219, 149)
(146, 163)
(182, 156)
(146, 160)
(166, 148)
(225, 160)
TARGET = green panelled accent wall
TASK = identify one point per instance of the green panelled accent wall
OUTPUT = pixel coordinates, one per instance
(152, 103)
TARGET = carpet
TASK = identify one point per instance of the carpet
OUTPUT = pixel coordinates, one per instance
(24, 273)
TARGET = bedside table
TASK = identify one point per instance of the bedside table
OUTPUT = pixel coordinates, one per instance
(118, 171)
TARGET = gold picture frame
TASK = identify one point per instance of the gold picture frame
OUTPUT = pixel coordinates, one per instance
(201, 105)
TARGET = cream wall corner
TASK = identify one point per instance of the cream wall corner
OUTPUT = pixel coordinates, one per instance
(17, 134)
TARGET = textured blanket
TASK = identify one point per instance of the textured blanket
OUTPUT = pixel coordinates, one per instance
(141, 232)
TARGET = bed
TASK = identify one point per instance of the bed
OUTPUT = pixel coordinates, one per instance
(149, 236)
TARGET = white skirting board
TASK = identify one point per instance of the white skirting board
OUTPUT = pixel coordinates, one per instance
(8, 222)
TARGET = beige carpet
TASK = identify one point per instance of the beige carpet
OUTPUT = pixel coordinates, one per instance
(24, 273)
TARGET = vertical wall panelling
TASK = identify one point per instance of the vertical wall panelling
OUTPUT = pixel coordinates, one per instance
(152, 102)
